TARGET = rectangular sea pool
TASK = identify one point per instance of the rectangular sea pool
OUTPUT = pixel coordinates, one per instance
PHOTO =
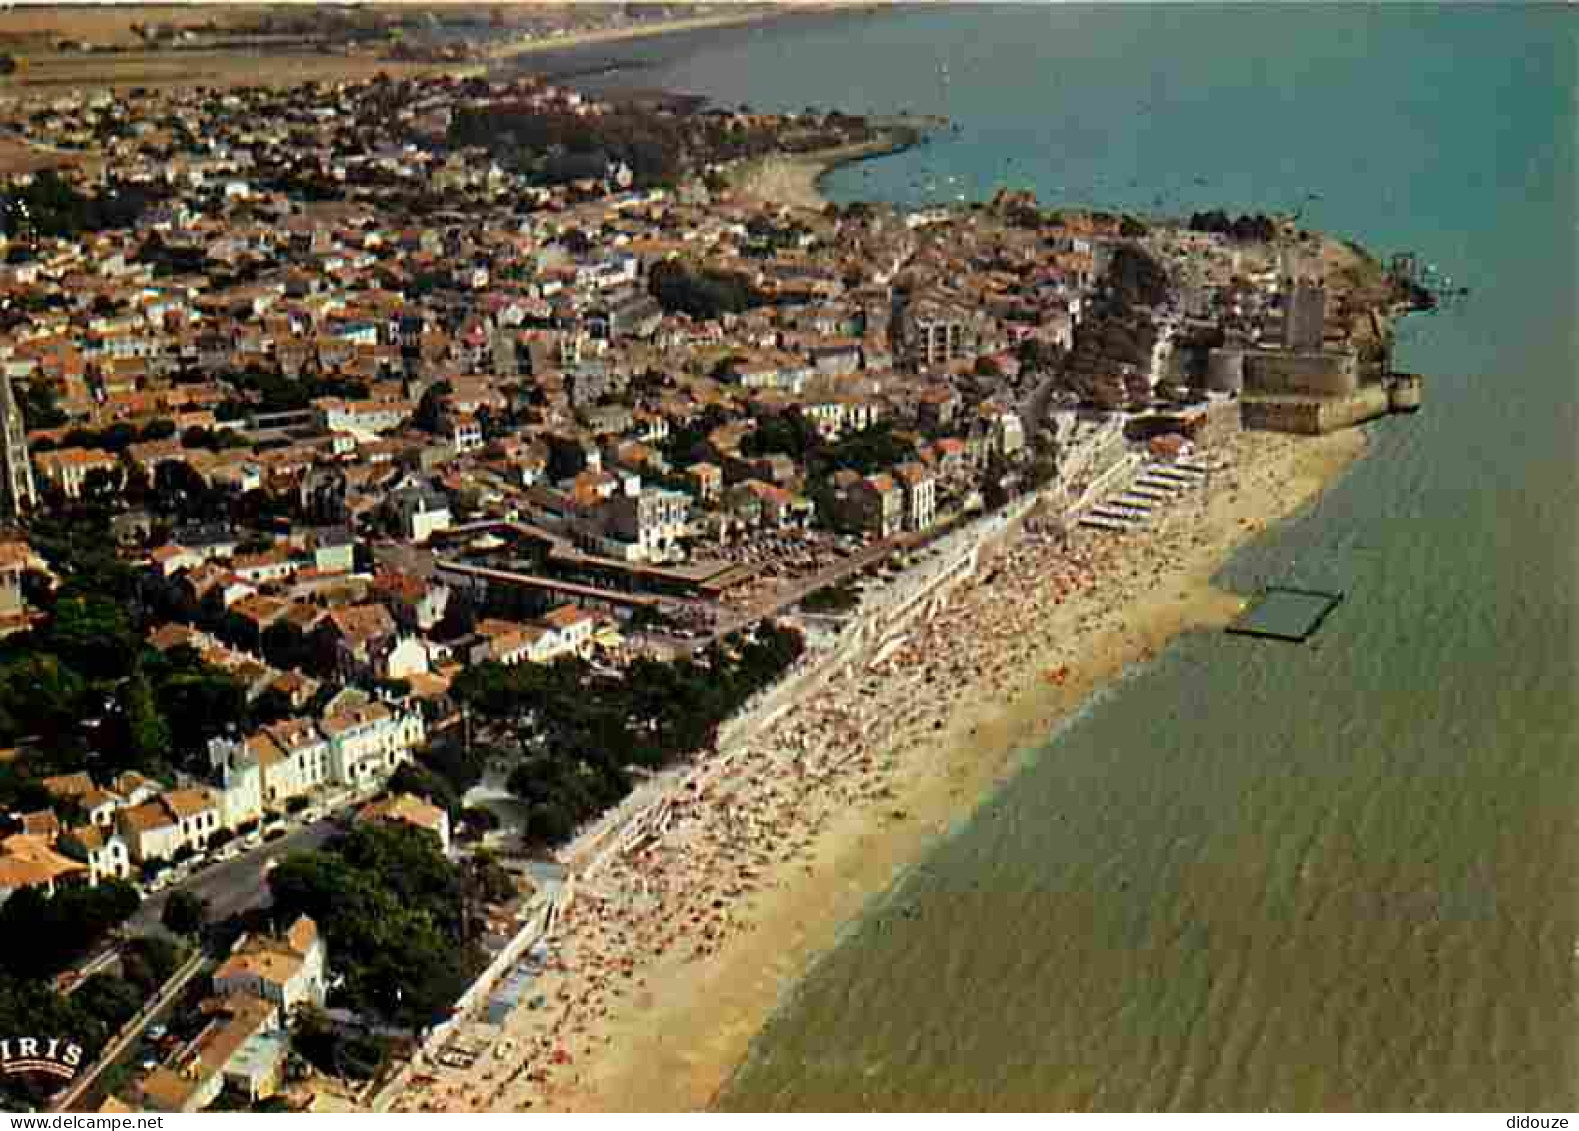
(1286, 614)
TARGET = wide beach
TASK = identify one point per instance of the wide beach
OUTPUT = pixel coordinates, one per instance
(525, 48)
(670, 960)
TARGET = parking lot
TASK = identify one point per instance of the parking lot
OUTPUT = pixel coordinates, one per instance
(233, 882)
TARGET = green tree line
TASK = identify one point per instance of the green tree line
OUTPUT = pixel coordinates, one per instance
(574, 732)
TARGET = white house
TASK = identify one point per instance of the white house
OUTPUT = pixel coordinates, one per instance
(104, 851)
(367, 743)
(287, 971)
(151, 831)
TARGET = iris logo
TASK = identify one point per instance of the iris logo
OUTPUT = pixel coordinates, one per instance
(52, 1056)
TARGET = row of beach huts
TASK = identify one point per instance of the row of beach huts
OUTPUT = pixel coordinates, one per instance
(1156, 485)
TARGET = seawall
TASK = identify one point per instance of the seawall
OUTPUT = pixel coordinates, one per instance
(1315, 416)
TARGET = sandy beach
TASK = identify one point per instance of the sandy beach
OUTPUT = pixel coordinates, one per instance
(522, 48)
(673, 956)
(792, 179)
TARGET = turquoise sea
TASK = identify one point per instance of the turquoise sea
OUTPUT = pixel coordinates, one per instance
(1258, 876)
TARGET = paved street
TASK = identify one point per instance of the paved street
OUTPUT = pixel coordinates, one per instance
(234, 885)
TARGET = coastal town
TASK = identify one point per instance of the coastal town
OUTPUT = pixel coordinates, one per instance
(469, 546)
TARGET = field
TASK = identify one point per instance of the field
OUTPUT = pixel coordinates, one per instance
(31, 36)
(57, 71)
(110, 24)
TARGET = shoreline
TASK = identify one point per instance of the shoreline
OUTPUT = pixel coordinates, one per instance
(795, 179)
(136, 65)
(517, 51)
(707, 931)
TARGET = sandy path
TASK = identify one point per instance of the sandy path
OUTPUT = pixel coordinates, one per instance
(670, 962)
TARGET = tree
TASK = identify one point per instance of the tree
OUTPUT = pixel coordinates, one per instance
(429, 408)
(1134, 278)
(478, 820)
(148, 735)
(40, 405)
(389, 903)
(39, 694)
(705, 294)
(181, 491)
(285, 647)
(111, 999)
(102, 486)
(1131, 228)
(865, 452)
(1038, 354)
(88, 1016)
(74, 920)
(993, 491)
(184, 913)
(458, 765)
(1044, 466)
(419, 780)
(93, 634)
(489, 879)
(118, 437)
(987, 366)
(333, 1051)
(148, 961)
(198, 701)
(841, 598)
(786, 434)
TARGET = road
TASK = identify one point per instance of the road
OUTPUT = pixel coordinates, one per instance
(233, 885)
(158, 1008)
